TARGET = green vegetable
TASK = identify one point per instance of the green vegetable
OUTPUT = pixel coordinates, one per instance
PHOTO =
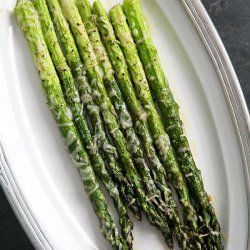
(155, 125)
(75, 63)
(108, 113)
(125, 120)
(28, 21)
(133, 143)
(120, 66)
(170, 113)
(74, 102)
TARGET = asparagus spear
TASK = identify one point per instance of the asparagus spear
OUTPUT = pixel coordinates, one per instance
(86, 52)
(75, 63)
(158, 172)
(73, 101)
(28, 21)
(115, 96)
(170, 112)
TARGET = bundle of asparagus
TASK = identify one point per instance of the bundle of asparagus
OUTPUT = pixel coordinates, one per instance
(98, 74)
(28, 21)
(171, 118)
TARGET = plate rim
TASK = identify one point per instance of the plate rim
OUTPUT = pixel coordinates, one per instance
(229, 83)
(235, 101)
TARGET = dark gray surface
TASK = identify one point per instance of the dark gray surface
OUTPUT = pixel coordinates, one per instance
(12, 236)
(232, 20)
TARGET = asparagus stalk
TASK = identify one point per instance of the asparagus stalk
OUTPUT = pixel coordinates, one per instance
(28, 21)
(86, 52)
(73, 101)
(75, 63)
(158, 172)
(112, 88)
(170, 112)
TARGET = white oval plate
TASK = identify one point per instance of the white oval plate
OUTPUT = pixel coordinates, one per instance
(40, 182)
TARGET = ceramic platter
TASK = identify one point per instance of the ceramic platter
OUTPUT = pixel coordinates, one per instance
(43, 187)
